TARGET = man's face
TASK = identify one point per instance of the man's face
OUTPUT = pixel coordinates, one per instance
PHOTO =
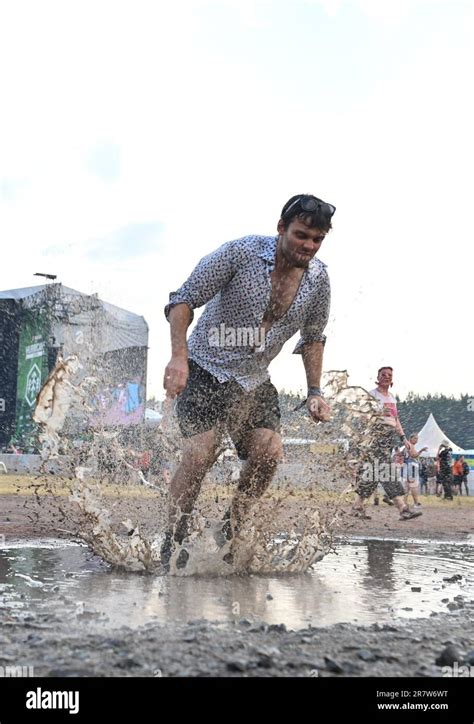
(385, 377)
(299, 243)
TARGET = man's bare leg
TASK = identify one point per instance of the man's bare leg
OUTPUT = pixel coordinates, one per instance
(398, 500)
(199, 454)
(359, 505)
(265, 451)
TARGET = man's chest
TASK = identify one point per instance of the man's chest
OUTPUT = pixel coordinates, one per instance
(258, 296)
(283, 292)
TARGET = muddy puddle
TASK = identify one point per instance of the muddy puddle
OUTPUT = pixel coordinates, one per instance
(364, 581)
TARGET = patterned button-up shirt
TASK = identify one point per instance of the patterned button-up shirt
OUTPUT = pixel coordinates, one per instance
(235, 284)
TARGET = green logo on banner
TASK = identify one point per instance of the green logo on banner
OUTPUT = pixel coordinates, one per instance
(33, 384)
(32, 373)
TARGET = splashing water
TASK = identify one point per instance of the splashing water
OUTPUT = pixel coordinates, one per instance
(285, 532)
(54, 401)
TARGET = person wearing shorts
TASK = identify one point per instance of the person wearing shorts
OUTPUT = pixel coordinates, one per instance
(411, 469)
(258, 291)
(431, 474)
(375, 465)
(424, 477)
(465, 473)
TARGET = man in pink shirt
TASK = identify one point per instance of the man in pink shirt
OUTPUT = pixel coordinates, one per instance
(375, 465)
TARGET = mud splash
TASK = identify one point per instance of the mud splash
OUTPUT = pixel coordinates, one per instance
(271, 541)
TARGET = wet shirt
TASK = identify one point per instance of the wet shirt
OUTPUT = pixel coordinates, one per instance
(387, 406)
(235, 285)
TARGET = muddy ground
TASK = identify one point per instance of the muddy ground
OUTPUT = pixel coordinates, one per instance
(242, 648)
(27, 510)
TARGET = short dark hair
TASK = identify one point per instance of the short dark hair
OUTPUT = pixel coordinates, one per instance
(385, 367)
(319, 219)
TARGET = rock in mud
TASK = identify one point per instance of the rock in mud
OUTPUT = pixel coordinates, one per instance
(350, 668)
(469, 658)
(448, 656)
(333, 666)
(238, 665)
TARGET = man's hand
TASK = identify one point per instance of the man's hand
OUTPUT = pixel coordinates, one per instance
(176, 376)
(318, 408)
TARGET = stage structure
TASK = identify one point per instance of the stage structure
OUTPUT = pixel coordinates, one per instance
(39, 324)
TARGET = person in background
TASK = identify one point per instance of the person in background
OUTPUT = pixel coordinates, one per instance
(423, 477)
(439, 485)
(412, 469)
(431, 473)
(457, 471)
(445, 476)
(385, 430)
(465, 473)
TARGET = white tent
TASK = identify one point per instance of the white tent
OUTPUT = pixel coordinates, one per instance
(431, 436)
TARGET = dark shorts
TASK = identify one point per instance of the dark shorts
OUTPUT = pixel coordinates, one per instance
(206, 403)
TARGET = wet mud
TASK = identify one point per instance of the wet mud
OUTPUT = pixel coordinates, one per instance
(372, 608)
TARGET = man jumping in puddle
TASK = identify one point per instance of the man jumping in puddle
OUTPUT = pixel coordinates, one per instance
(258, 291)
(383, 435)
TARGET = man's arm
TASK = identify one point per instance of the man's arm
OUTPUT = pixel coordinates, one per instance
(417, 453)
(177, 369)
(209, 276)
(311, 346)
(317, 315)
(312, 354)
(399, 429)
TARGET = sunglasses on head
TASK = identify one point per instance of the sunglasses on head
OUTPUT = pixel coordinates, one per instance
(311, 204)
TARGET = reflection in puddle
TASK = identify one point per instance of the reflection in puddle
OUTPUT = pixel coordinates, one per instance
(365, 581)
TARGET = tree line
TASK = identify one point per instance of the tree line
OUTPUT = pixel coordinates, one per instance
(455, 416)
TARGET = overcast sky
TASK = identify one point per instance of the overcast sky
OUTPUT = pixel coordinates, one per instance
(137, 136)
